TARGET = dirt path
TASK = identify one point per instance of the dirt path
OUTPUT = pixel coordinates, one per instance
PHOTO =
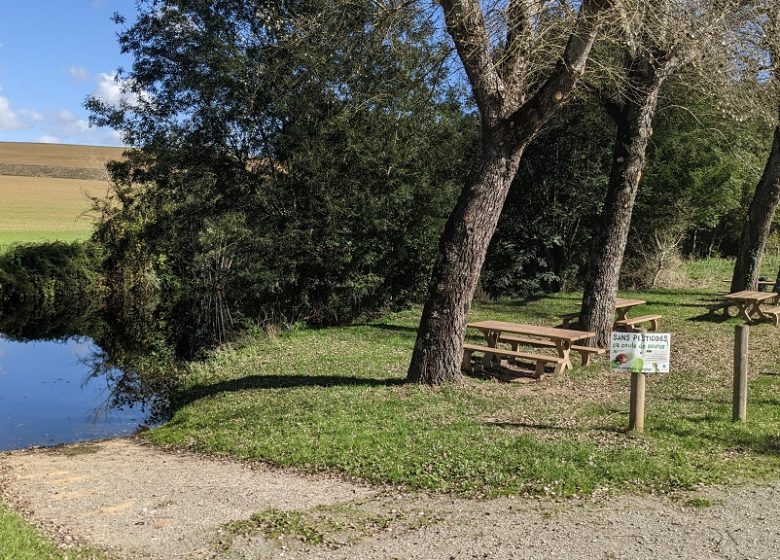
(143, 503)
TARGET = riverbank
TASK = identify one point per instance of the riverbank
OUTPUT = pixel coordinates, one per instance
(335, 400)
(333, 403)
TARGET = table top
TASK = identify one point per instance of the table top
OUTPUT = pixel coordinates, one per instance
(748, 295)
(532, 330)
(622, 302)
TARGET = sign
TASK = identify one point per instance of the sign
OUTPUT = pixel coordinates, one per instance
(640, 352)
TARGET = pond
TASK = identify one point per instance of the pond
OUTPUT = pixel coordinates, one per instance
(50, 393)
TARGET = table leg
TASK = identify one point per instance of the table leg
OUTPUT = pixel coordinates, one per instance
(564, 351)
(756, 309)
(492, 342)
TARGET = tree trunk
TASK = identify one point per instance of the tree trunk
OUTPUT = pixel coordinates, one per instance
(777, 282)
(759, 221)
(439, 348)
(633, 133)
(509, 123)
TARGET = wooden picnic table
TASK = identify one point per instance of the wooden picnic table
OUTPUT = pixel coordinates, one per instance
(563, 338)
(747, 302)
(622, 307)
(760, 284)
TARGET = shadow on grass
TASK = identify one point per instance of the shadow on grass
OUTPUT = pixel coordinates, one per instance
(388, 327)
(710, 318)
(259, 381)
(761, 444)
(551, 427)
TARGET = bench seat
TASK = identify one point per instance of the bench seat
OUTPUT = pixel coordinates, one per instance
(774, 313)
(541, 360)
(632, 323)
(569, 318)
(585, 351)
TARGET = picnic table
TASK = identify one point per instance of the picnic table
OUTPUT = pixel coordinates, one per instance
(622, 307)
(748, 304)
(762, 285)
(561, 339)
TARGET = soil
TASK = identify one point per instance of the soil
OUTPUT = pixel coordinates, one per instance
(141, 502)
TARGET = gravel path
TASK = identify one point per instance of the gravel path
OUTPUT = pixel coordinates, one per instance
(140, 502)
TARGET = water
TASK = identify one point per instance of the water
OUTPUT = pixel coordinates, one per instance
(49, 396)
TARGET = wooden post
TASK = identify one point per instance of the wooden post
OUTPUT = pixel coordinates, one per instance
(739, 401)
(636, 417)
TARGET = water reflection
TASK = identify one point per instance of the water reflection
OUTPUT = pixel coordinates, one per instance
(48, 395)
(91, 370)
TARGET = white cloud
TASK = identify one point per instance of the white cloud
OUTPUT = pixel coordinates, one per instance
(48, 139)
(78, 73)
(114, 91)
(31, 116)
(9, 119)
(21, 119)
(109, 89)
(66, 123)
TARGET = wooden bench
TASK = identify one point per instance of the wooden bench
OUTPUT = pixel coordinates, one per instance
(569, 318)
(774, 314)
(541, 360)
(631, 324)
(585, 351)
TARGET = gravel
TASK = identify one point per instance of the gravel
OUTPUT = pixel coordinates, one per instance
(141, 502)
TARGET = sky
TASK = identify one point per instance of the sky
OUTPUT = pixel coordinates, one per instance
(53, 54)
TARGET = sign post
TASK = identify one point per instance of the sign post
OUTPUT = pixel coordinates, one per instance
(639, 353)
(739, 399)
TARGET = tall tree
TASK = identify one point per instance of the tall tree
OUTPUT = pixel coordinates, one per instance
(660, 37)
(515, 100)
(766, 199)
(309, 151)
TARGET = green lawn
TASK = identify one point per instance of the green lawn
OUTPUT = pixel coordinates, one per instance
(334, 400)
(10, 237)
(20, 541)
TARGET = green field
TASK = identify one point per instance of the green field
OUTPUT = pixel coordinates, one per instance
(45, 190)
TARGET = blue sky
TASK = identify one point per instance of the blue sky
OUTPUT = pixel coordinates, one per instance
(53, 54)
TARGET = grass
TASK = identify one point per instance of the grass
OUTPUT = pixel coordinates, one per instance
(44, 190)
(334, 400)
(20, 541)
(36, 209)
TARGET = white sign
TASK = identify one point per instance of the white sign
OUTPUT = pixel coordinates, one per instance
(640, 352)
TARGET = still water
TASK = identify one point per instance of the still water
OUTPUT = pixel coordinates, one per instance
(49, 395)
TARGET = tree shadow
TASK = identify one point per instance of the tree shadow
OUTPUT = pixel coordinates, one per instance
(388, 327)
(528, 425)
(264, 381)
(710, 318)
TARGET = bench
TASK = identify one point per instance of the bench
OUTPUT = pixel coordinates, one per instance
(631, 324)
(540, 360)
(569, 318)
(774, 314)
(585, 351)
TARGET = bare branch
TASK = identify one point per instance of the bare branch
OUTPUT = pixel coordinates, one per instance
(519, 16)
(560, 83)
(466, 24)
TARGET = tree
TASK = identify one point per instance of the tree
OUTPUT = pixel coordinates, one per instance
(300, 156)
(661, 38)
(766, 198)
(515, 100)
